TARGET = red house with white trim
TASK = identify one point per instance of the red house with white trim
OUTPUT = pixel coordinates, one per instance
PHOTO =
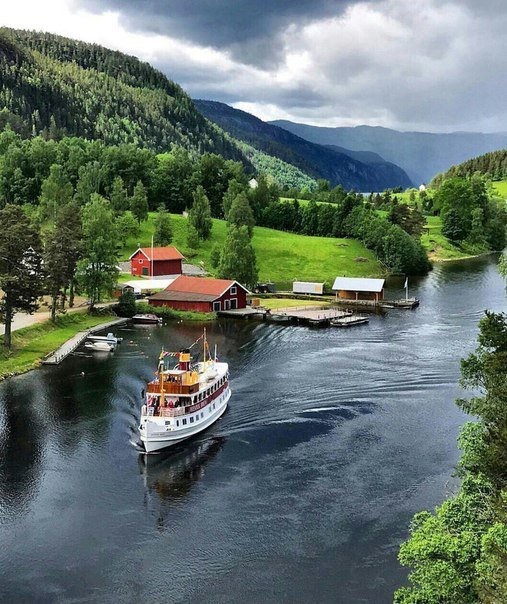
(201, 294)
(165, 261)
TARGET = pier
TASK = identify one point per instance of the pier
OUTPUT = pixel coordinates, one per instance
(56, 357)
(306, 315)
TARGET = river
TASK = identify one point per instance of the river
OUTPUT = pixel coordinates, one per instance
(302, 492)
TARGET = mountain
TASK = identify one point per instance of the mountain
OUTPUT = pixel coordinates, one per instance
(362, 172)
(59, 86)
(421, 154)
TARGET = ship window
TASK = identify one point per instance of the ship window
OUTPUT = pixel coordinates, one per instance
(177, 422)
(191, 420)
(184, 422)
(168, 423)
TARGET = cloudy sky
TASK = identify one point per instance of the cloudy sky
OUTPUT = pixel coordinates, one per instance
(407, 64)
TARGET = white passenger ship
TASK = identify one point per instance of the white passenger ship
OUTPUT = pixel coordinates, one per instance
(183, 401)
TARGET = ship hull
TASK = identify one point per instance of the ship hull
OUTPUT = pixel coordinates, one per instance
(153, 439)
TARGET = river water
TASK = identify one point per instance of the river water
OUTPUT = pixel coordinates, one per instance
(302, 492)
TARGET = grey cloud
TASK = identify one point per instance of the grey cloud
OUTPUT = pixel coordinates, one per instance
(248, 30)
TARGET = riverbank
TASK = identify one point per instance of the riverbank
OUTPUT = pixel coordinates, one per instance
(31, 344)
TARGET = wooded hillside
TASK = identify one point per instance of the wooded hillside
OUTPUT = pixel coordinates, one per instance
(59, 86)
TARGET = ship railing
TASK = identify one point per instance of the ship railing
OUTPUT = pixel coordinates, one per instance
(163, 411)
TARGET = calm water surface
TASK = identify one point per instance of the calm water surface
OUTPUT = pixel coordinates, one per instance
(301, 493)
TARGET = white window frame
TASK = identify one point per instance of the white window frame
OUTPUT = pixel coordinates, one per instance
(215, 306)
(234, 290)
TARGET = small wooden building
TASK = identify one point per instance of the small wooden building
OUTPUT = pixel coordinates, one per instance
(353, 288)
(201, 294)
(153, 262)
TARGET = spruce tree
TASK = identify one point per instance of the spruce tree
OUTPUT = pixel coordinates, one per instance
(56, 191)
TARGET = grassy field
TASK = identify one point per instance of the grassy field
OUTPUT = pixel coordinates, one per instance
(31, 344)
(281, 257)
(500, 187)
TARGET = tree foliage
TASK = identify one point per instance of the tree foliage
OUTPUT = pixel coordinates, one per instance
(20, 266)
(163, 230)
(97, 271)
(459, 553)
(237, 260)
(199, 215)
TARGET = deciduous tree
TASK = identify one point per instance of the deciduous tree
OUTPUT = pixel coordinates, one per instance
(97, 271)
(20, 267)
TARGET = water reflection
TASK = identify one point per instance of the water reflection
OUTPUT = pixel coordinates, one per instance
(21, 449)
(169, 476)
(333, 440)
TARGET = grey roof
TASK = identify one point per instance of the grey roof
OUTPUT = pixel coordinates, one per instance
(355, 284)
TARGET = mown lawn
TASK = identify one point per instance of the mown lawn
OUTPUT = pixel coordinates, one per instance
(500, 187)
(281, 257)
(31, 344)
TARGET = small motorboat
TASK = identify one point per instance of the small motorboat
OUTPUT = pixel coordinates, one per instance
(110, 338)
(146, 319)
(100, 346)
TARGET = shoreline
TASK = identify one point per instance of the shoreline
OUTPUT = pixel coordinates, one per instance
(469, 257)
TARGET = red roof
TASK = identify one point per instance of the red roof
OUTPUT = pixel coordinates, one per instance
(201, 285)
(160, 253)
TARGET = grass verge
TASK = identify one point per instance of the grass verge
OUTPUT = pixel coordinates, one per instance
(31, 344)
(169, 314)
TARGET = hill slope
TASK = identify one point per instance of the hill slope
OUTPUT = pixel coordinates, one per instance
(57, 85)
(493, 164)
(354, 171)
(421, 154)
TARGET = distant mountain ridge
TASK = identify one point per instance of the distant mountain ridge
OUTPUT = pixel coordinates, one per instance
(421, 154)
(362, 171)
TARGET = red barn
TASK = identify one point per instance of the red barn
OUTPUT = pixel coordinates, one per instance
(201, 294)
(165, 261)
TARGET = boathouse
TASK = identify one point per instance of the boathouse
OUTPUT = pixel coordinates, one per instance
(153, 262)
(201, 294)
(353, 288)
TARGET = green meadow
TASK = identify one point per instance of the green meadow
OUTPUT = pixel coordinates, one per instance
(500, 186)
(281, 257)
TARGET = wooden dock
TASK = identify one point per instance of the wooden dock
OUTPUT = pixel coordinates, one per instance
(306, 315)
(56, 357)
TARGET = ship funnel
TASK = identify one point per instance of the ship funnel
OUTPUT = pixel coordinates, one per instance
(184, 359)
